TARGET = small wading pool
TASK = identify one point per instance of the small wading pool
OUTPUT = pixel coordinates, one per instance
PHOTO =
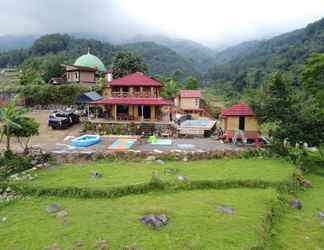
(85, 140)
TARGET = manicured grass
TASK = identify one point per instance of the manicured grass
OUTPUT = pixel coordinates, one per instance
(302, 229)
(126, 173)
(194, 223)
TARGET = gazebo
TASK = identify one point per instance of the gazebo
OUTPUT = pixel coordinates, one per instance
(240, 121)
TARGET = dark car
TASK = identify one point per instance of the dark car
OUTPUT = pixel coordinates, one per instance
(62, 120)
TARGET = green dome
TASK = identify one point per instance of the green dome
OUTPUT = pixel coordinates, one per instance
(90, 61)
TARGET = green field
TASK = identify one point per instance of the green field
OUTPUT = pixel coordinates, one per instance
(125, 173)
(195, 222)
(302, 229)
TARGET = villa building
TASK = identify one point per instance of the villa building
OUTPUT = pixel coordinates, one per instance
(135, 97)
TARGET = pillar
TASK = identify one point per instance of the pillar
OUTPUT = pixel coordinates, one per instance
(153, 112)
(115, 112)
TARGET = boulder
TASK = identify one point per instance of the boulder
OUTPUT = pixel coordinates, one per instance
(320, 215)
(155, 221)
(307, 184)
(225, 209)
(61, 214)
(150, 158)
(53, 208)
(181, 178)
(295, 204)
(95, 174)
(101, 244)
(169, 171)
(160, 162)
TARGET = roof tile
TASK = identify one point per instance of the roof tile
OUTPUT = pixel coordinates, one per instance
(241, 109)
(135, 79)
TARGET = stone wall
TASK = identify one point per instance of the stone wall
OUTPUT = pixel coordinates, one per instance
(134, 155)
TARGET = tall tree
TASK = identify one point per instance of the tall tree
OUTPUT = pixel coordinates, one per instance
(125, 63)
(313, 77)
(274, 103)
(191, 83)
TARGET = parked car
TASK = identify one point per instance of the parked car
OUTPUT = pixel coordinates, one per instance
(62, 120)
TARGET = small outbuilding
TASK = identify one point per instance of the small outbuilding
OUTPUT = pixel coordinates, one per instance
(240, 123)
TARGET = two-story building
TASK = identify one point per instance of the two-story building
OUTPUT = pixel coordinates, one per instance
(189, 102)
(135, 97)
(86, 70)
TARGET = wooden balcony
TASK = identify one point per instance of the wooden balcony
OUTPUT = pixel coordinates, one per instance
(133, 94)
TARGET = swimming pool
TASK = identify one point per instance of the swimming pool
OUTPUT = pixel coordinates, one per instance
(193, 123)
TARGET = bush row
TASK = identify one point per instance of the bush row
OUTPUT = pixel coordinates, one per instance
(154, 185)
(11, 164)
(47, 94)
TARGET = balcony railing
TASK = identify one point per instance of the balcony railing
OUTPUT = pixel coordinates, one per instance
(133, 94)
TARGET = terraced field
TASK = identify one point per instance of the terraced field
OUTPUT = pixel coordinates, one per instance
(105, 212)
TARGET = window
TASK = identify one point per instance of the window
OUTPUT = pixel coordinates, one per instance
(197, 101)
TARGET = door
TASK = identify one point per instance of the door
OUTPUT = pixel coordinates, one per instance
(146, 112)
(242, 123)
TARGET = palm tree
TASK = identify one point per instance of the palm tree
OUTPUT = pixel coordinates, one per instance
(170, 89)
(9, 118)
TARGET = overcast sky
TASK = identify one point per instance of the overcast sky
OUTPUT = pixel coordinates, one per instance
(213, 22)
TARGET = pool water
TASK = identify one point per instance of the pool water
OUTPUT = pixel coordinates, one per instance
(195, 123)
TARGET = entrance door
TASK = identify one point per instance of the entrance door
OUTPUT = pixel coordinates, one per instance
(242, 123)
(146, 112)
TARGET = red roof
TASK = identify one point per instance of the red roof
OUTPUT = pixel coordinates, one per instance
(190, 93)
(134, 101)
(135, 79)
(241, 109)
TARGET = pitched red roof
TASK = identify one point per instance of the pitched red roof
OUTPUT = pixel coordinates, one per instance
(135, 79)
(133, 101)
(190, 93)
(241, 109)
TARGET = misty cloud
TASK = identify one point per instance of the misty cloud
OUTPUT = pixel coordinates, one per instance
(48, 16)
(214, 22)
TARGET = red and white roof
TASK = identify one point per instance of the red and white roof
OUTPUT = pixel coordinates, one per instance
(134, 101)
(190, 93)
(135, 79)
(241, 109)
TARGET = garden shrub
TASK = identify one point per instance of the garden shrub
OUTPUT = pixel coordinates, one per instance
(48, 94)
(11, 164)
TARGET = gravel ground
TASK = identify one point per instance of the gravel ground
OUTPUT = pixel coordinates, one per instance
(55, 140)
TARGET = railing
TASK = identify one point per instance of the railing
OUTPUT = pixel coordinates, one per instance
(132, 94)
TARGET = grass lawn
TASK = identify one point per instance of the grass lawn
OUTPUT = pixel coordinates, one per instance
(194, 223)
(126, 173)
(301, 229)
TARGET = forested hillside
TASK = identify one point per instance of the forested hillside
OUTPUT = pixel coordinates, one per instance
(255, 62)
(160, 59)
(200, 56)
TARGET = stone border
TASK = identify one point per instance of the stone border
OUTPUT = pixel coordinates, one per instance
(62, 157)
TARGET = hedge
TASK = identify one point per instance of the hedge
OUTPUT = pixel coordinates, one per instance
(47, 94)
